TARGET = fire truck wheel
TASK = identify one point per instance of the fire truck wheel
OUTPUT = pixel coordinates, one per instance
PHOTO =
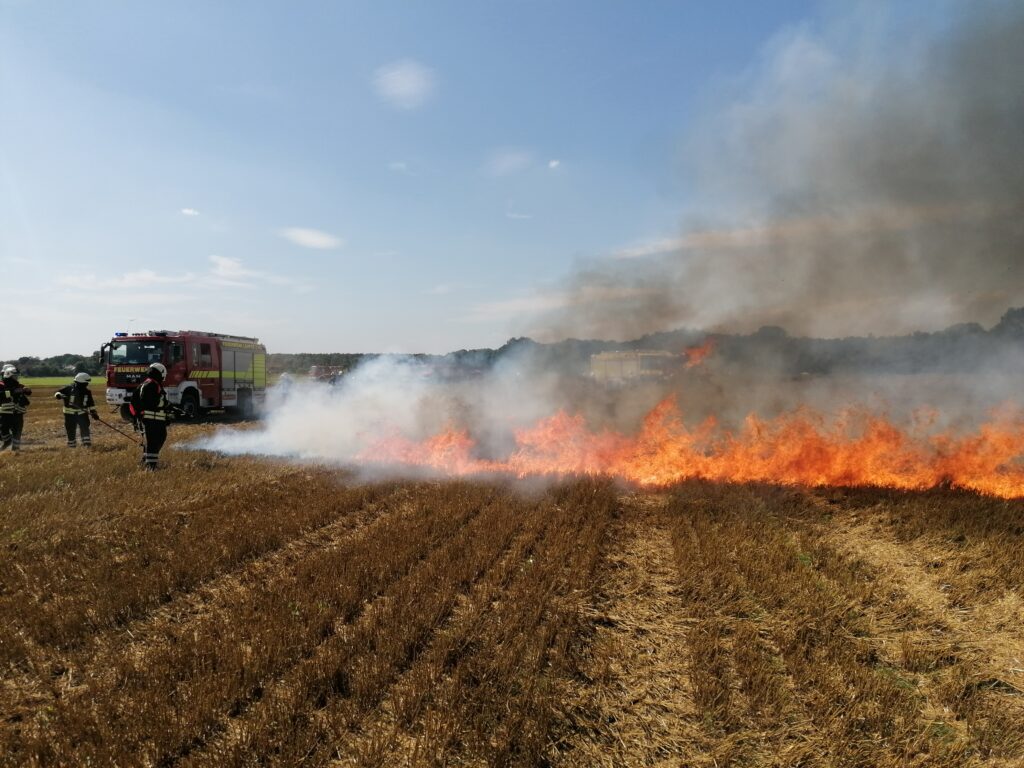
(190, 404)
(126, 415)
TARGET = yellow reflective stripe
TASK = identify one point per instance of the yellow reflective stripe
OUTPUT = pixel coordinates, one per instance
(158, 415)
(75, 411)
(259, 362)
(241, 345)
(257, 371)
(7, 408)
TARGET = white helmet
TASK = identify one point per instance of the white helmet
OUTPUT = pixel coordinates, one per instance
(82, 378)
(9, 371)
(159, 368)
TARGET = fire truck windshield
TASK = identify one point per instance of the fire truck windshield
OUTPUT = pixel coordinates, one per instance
(136, 352)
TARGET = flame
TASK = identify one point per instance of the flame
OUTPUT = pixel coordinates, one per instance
(698, 354)
(857, 448)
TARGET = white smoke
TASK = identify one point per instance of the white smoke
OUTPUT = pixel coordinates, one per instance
(395, 397)
(859, 183)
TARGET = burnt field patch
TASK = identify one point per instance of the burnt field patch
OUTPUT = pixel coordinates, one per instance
(253, 612)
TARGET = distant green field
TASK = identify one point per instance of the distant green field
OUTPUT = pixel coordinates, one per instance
(45, 381)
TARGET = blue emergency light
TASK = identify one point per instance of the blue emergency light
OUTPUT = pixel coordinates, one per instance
(120, 333)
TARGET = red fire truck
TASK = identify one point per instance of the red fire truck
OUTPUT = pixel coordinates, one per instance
(204, 370)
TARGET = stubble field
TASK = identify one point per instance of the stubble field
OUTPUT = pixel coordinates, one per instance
(241, 611)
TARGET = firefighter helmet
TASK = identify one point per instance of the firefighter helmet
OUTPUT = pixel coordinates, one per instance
(10, 371)
(82, 378)
(159, 368)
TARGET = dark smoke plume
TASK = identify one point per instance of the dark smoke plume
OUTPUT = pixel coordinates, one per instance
(870, 186)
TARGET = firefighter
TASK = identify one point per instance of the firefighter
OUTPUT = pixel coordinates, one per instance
(79, 405)
(14, 403)
(149, 404)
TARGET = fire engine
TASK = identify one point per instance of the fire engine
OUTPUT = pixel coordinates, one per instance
(204, 370)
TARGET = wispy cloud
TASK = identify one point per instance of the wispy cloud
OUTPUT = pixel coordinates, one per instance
(553, 164)
(398, 166)
(145, 285)
(509, 160)
(129, 280)
(404, 84)
(311, 238)
(139, 299)
(514, 215)
(228, 270)
(189, 212)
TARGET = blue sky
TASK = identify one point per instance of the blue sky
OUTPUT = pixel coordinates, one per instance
(342, 176)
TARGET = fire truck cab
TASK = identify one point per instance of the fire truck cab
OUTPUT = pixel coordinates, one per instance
(204, 370)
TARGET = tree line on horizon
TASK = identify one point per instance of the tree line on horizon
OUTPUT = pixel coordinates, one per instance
(962, 347)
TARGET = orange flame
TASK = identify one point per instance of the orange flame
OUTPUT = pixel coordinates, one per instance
(799, 448)
(697, 355)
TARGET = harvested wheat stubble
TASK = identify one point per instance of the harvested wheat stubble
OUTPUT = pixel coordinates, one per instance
(250, 612)
(969, 644)
(319, 713)
(224, 659)
(98, 569)
(502, 701)
(347, 675)
(635, 704)
(393, 733)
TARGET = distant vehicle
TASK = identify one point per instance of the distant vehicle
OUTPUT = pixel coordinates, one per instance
(204, 370)
(632, 365)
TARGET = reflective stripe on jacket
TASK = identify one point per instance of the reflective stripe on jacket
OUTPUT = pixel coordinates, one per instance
(153, 400)
(77, 401)
(14, 399)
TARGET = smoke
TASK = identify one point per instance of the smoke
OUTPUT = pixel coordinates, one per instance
(868, 178)
(389, 397)
(864, 179)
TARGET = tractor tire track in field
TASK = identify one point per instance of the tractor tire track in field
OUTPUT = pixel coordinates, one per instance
(995, 630)
(971, 657)
(638, 707)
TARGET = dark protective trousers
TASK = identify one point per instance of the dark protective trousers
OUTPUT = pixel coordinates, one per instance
(77, 421)
(154, 432)
(11, 425)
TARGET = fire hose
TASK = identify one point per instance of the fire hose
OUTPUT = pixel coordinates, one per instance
(125, 434)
